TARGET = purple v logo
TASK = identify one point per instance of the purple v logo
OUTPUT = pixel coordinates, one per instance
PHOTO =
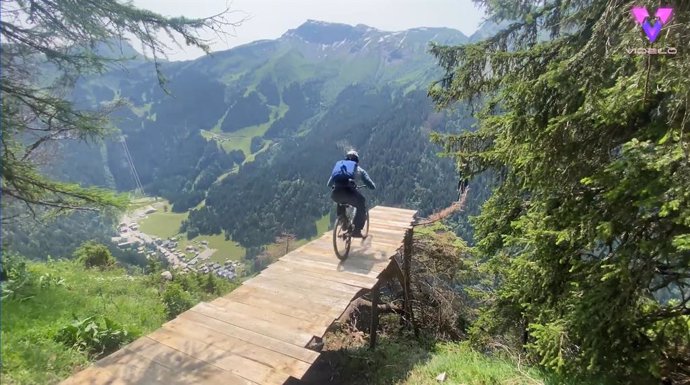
(660, 18)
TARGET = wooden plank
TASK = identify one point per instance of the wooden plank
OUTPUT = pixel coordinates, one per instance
(270, 316)
(309, 286)
(372, 267)
(357, 262)
(396, 230)
(299, 259)
(198, 368)
(274, 360)
(282, 287)
(382, 241)
(121, 375)
(300, 279)
(391, 217)
(197, 320)
(293, 299)
(399, 225)
(392, 214)
(392, 220)
(359, 253)
(310, 259)
(330, 275)
(326, 247)
(377, 248)
(401, 217)
(238, 365)
(247, 321)
(332, 268)
(309, 311)
(132, 365)
(383, 207)
(386, 225)
(394, 210)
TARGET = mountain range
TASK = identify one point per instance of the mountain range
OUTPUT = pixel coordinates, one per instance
(245, 138)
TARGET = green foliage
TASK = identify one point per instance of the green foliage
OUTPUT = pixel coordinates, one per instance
(31, 321)
(58, 237)
(92, 254)
(267, 197)
(399, 359)
(34, 109)
(463, 365)
(587, 227)
(66, 315)
(176, 300)
(448, 283)
(188, 289)
(95, 338)
(16, 280)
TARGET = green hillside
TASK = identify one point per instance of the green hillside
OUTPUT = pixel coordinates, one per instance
(55, 294)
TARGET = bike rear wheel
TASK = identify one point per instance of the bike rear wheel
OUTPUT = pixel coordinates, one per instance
(341, 238)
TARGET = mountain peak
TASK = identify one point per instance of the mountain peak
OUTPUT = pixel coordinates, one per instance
(322, 32)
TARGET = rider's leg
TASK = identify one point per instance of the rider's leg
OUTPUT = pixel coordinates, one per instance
(360, 203)
(353, 198)
(340, 196)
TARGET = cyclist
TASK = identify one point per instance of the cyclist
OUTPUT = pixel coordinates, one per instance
(343, 182)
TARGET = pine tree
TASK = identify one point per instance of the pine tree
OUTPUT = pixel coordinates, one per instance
(588, 229)
(46, 46)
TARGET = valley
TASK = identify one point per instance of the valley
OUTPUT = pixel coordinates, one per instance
(152, 207)
(241, 146)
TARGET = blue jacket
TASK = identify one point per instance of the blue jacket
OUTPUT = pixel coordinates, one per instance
(360, 174)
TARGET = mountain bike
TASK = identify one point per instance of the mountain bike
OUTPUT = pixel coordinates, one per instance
(343, 228)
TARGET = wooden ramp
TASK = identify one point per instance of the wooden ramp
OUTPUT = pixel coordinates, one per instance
(259, 333)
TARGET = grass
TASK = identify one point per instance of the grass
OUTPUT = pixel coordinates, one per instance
(264, 147)
(138, 203)
(401, 359)
(234, 170)
(226, 249)
(162, 224)
(323, 224)
(29, 353)
(462, 365)
(242, 138)
(216, 129)
(166, 225)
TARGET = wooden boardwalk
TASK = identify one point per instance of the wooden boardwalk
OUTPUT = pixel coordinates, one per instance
(259, 333)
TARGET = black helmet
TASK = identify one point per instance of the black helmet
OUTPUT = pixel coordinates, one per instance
(352, 155)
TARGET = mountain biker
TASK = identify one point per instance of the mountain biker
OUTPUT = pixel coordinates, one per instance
(343, 182)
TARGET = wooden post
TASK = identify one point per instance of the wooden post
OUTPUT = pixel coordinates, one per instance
(374, 316)
(407, 261)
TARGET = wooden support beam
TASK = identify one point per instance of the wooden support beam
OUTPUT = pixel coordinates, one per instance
(407, 261)
(373, 330)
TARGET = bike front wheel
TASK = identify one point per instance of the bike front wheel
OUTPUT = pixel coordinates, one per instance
(341, 238)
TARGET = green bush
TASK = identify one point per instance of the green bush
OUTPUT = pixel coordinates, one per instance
(90, 336)
(93, 254)
(176, 300)
(17, 279)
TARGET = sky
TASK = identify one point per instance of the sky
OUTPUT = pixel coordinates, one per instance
(269, 19)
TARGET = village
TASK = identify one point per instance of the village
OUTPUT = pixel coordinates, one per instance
(194, 257)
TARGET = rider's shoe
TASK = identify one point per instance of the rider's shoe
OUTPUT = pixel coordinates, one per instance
(357, 234)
